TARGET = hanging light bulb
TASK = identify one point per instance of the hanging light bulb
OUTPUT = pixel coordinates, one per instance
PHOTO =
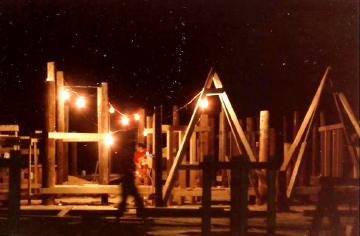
(108, 140)
(80, 102)
(204, 103)
(145, 134)
(124, 120)
(137, 117)
(111, 110)
(65, 94)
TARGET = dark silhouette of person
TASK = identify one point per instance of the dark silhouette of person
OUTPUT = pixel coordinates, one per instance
(126, 168)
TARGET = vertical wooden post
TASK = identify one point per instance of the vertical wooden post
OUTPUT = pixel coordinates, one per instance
(50, 114)
(244, 188)
(285, 129)
(103, 127)
(250, 126)
(60, 126)
(264, 147)
(206, 196)
(36, 161)
(73, 156)
(14, 191)
(325, 149)
(158, 156)
(66, 144)
(289, 170)
(182, 173)
(315, 150)
(149, 125)
(204, 143)
(338, 144)
(141, 126)
(192, 161)
(234, 197)
(170, 153)
(29, 176)
(223, 144)
(271, 207)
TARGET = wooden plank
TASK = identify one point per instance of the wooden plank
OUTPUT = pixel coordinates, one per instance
(264, 148)
(350, 113)
(305, 122)
(182, 173)
(184, 145)
(60, 125)
(77, 137)
(103, 128)
(213, 91)
(9, 128)
(295, 171)
(206, 197)
(158, 156)
(315, 151)
(149, 125)
(141, 126)
(330, 127)
(192, 181)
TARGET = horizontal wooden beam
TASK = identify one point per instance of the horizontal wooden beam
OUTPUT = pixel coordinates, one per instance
(331, 127)
(178, 128)
(77, 137)
(24, 151)
(214, 91)
(216, 193)
(92, 189)
(9, 128)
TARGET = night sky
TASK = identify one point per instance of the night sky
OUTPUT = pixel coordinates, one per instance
(268, 56)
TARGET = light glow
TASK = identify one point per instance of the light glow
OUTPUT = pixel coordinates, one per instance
(125, 120)
(204, 103)
(80, 102)
(65, 95)
(145, 134)
(111, 110)
(108, 140)
(137, 117)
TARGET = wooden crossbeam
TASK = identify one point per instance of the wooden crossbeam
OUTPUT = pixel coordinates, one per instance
(330, 127)
(305, 122)
(213, 91)
(9, 128)
(77, 137)
(178, 128)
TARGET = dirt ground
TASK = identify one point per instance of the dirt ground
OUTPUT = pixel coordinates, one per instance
(46, 222)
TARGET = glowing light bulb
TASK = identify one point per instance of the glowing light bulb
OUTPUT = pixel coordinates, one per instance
(124, 120)
(204, 103)
(145, 134)
(111, 110)
(108, 140)
(65, 94)
(80, 102)
(137, 117)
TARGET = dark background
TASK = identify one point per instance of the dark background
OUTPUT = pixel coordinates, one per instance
(268, 55)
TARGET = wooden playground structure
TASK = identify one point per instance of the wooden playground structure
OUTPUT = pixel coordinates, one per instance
(189, 169)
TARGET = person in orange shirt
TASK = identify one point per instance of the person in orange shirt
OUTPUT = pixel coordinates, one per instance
(140, 161)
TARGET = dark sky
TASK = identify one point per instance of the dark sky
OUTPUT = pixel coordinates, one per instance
(269, 56)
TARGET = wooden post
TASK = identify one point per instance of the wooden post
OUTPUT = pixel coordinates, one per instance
(36, 161)
(158, 156)
(325, 149)
(182, 173)
(149, 125)
(193, 161)
(204, 143)
(66, 144)
(235, 197)
(14, 191)
(289, 170)
(250, 125)
(50, 114)
(264, 147)
(60, 126)
(243, 198)
(285, 129)
(223, 144)
(338, 144)
(271, 203)
(141, 126)
(73, 156)
(315, 150)
(103, 127)
(206, 196)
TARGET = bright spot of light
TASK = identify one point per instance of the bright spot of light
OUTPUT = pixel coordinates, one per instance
(80, 102)
(111, 110)
(65, 94)
(124, 120)
(204, 103)
(145, 134)
(109, 140)
(137, 117)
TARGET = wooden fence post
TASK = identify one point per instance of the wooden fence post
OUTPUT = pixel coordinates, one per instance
(206, 196)
(264, 148)
(315, 150)
(60, 126)
(66, 145)
(141, 126)
(158, 156)
(271, 202)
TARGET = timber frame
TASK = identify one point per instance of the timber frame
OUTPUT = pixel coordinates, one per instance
(306, 124)
(236, 130)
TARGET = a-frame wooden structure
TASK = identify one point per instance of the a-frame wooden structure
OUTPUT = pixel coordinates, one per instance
(307, 122)
(236, 130)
